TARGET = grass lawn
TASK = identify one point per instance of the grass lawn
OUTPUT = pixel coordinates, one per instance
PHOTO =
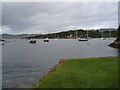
(83, 73)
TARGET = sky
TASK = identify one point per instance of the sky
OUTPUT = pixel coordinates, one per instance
(50, 17)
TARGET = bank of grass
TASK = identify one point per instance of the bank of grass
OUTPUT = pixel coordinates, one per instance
(83, 73)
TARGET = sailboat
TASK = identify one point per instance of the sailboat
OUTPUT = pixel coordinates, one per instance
(82, 39)
(56, 36)
(102, 36)
(110, 34)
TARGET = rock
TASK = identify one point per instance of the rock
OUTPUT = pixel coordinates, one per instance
(61, 61)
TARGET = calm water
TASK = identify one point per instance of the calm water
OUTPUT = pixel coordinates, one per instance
(0, 67)
(24, 64)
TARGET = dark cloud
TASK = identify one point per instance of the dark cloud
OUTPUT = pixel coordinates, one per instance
(45, 17)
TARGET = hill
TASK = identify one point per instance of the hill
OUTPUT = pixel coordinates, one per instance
(79, 33)
(10, 36)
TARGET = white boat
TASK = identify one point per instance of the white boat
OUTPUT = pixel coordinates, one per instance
(82, 39)
(102, 35)
(46, 40)
(103, 38)
(57, 37)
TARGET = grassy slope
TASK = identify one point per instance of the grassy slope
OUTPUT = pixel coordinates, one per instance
(83, 73)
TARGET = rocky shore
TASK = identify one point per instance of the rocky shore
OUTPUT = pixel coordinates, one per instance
(115, 44)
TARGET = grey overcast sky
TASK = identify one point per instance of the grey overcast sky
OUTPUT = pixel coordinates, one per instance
(48, 17)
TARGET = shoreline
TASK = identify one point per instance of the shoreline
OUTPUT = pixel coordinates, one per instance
(50, 71)
(115, 44)
(61, 62)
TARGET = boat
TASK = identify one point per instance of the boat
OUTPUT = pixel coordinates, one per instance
(2, 44)
(46, 40)
(32, 41)
(103, 38)
(56, 36)
(82, 39)
(2, 40)
(110, 33)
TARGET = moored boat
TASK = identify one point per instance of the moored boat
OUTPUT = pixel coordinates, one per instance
(46, 40)
(82, 39)
(2, 40)
(103, 38)
(32, 41)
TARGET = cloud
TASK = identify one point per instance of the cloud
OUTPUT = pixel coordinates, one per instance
(61, 1)
(119, 13)
(0, 14)
(46, 17)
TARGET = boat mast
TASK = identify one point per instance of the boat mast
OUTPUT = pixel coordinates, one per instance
(76, 34)
(87, 34)
(110, 33)
(58, 36)
(55, 35)
(102, 34)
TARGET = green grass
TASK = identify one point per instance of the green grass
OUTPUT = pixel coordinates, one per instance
(83, 73)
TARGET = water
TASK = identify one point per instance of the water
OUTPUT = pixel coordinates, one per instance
(24, 63)
(0, 67)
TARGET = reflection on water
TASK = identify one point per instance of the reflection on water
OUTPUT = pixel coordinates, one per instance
(24, 63)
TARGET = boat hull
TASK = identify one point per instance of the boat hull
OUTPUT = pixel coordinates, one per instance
(32, 41)
(82, 39)
(46, 40)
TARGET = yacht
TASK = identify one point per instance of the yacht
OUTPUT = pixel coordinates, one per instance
(82, 39)
(103, 38)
